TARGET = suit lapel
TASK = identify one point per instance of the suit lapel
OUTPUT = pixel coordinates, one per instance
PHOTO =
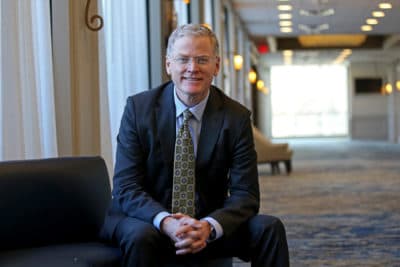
(166, 123)
(166, 120)
(210, 128)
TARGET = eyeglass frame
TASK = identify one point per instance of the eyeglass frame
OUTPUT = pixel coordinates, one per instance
(185, 60)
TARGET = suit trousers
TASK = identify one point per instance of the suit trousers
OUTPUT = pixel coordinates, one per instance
(261, 240)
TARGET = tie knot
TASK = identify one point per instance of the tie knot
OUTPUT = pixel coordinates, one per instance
(187, 115)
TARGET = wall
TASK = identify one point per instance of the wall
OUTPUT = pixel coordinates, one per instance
(368, 118)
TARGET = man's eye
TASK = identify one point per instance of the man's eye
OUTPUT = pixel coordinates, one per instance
(182, 60)
(202, 60)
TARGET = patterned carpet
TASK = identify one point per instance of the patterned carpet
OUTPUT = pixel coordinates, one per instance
(341, 204)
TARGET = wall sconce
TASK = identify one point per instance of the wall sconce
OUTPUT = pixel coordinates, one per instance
(237, 62)
(398, 85)
(252, 76)
(260, 85)
(265, 90)
(262, 88)
(388, 88)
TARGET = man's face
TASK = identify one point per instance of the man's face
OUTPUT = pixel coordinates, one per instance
(192, 66)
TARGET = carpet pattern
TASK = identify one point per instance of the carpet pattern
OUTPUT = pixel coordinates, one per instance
(340, 205)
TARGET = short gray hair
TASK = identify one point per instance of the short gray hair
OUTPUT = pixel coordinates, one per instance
(198, 30)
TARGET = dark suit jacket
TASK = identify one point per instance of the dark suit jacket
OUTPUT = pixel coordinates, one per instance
(226, 170)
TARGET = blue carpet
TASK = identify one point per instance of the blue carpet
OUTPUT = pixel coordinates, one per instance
(341, 204)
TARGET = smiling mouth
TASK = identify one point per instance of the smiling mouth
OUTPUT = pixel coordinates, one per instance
(192, 79)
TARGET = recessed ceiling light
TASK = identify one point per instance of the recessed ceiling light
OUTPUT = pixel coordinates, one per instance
(284, 7)
(332, 40)
(366, 28)
(285, 16)
(371, 21)
(286, 29)
(385, 5)
(285, 23)
(378, 14)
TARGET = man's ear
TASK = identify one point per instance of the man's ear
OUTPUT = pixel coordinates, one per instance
(217, 66)
(167, 66)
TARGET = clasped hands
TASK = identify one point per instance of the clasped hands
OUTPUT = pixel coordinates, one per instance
(189, 234)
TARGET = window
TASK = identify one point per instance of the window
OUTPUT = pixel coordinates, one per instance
(309, 101)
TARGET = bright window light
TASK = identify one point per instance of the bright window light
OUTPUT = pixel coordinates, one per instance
(312, 103)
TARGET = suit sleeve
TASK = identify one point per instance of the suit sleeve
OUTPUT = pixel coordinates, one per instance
(130, 170)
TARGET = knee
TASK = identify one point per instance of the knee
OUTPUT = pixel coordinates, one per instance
(270, 224)
(146, 234)
(139, 236)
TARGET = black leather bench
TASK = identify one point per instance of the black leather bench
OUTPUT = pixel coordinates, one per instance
(51, 213)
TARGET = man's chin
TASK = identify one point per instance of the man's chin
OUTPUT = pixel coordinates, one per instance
(192, 90)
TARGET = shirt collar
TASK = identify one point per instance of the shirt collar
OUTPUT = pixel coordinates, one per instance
(196, 110)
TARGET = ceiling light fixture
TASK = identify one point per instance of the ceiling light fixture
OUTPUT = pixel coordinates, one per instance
(285, 16)
(286, 29)
(317, 12)
(366, 28)
(332, 40)
(284, 7)
(385, 5)
(372, 21)
(285, 23)
(378, 14)
(313, 29)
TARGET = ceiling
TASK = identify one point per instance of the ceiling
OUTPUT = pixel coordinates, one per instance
(333, 25)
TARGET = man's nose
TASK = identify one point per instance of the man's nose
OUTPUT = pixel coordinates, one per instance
(192, 63)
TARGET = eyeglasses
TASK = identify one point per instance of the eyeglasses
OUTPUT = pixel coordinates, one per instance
(200, 60)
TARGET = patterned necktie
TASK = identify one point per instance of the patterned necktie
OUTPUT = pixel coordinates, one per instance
(183, 191)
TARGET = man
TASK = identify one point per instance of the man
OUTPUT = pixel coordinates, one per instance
(145, 219)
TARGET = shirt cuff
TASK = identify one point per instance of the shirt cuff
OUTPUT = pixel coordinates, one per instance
(158, 219)
(217, 227)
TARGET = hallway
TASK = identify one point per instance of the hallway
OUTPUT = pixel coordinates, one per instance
(340, 204)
